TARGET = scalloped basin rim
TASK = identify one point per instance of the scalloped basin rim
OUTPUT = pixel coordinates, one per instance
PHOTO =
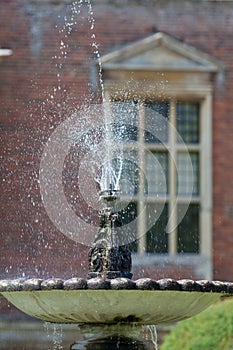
(111, 306)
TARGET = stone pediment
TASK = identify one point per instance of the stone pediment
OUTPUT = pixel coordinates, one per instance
(160, 52)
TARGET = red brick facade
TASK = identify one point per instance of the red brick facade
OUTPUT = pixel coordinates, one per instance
(30, 245)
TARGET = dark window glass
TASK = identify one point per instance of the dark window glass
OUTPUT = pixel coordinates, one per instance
(156, 237)
(187, 115)
(188, 229)
(188, 173)
(156, 122)
(156, 179)
(129, 212)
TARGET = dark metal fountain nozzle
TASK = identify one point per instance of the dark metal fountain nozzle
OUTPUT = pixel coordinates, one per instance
(110, 195)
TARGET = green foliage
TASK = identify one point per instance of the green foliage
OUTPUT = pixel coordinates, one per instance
(211, 329)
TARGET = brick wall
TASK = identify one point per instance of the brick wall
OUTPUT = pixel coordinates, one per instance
(29, 242)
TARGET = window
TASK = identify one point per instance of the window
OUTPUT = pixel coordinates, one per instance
(161, 162)
(171, 189)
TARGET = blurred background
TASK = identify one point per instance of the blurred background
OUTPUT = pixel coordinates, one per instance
(168, 57)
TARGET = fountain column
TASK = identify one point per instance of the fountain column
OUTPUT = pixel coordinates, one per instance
(106, 257)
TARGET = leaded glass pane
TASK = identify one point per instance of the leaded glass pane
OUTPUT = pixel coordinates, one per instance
(187, 115)
(129, 213)
(125, 120)
(188, 173)
(156, 122)
(157, 237)
(188, 240)
(156, 173)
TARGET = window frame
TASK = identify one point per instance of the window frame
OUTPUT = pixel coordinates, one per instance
(191, 85)
(204, 97)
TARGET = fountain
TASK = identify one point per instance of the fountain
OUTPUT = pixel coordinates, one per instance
(109, 305)
(109, 295)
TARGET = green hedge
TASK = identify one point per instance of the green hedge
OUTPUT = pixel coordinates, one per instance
(210, 330)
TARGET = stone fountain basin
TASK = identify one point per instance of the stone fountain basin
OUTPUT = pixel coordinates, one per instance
(144, 301)
(111, 306)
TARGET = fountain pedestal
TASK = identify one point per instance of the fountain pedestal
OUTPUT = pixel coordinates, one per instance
(107, 258)
(119, 336)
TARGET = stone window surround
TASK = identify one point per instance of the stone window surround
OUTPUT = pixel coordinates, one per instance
(191, 83)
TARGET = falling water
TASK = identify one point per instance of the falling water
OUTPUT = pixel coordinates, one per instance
(54, 334)
(154, 337)
(57, 337)
(151, 335)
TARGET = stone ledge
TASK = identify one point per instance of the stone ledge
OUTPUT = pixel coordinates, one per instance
(116, 283)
